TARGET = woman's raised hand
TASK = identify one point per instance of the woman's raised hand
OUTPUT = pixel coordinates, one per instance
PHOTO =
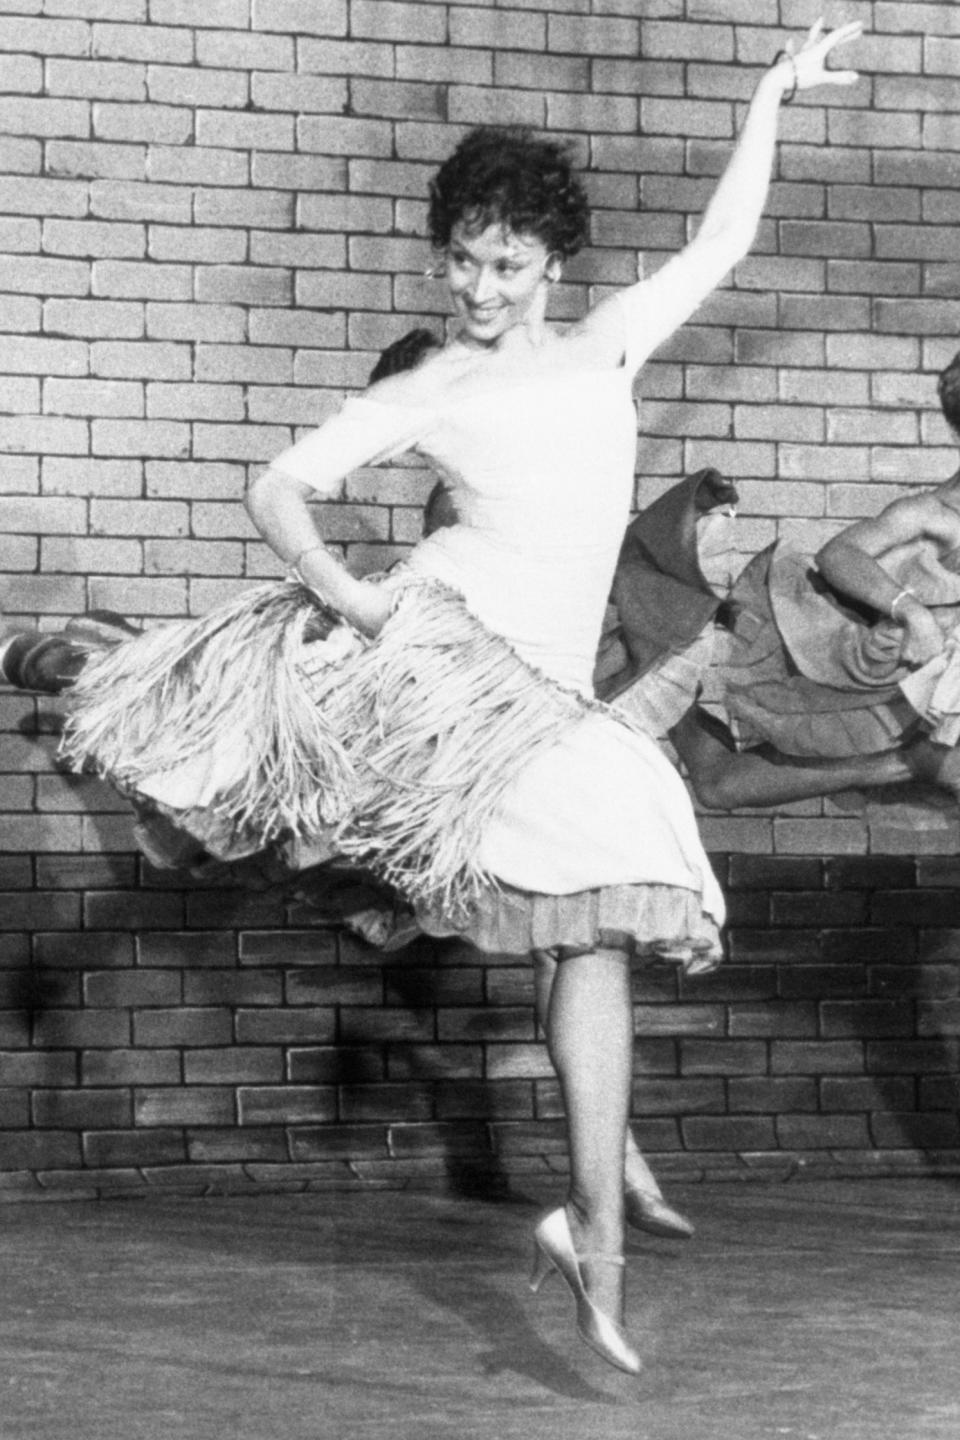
(806, 67)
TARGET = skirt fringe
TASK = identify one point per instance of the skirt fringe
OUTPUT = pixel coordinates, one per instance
(292, 728)
(650, 921)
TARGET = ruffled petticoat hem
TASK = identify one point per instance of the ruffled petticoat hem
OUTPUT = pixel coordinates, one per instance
(651, 921)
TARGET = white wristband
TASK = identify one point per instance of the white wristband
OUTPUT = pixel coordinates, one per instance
(896, 601)
(781, 55)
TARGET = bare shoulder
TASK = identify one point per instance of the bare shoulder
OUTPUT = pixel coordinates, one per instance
(930, 512)
(910, 517)
(947, 500)
(948, 494)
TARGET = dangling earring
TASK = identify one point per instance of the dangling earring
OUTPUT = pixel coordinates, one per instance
(553, 270)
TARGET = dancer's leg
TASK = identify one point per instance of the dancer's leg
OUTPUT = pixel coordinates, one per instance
(938, 764)
(724, 778)
(590, 1039)
(544, 974)
(637, 1174)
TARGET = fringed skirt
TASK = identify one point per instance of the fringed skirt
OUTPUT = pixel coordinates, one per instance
(500, 806)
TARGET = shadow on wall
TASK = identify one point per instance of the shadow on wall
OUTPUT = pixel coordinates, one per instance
(908, 1025)
(902, 1003)
(435, 1048)
(414, 1037)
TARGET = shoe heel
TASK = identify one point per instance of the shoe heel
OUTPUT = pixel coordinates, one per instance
(647, 1211)
(542, 1265)
(554, 1250)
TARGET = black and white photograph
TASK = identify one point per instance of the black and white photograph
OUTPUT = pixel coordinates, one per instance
(479, 719)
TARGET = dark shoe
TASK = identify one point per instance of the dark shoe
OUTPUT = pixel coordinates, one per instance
(11, 650)
(48, 663)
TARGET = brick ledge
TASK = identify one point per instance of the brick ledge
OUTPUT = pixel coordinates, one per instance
(530, 1173)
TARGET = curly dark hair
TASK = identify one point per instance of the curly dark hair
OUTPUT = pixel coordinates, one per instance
(948, 388)
(509, 175)
(403, 354)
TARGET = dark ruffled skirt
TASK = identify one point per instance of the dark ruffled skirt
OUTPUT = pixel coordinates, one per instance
(769, 701)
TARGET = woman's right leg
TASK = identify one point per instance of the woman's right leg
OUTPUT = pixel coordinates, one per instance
(637, 1173)
(590, 1040)
(646, 1208)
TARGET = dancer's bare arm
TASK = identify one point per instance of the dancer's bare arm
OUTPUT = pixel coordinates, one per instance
(659, 306)
(315, 468)
(851, 563)
(277, 505)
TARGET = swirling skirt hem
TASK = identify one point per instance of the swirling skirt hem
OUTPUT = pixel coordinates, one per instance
(651, 921)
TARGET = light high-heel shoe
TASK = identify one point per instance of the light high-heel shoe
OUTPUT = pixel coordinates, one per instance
(554, 1250)
(646, 1211)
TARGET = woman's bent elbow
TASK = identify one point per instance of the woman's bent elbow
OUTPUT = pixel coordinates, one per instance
(262, 494)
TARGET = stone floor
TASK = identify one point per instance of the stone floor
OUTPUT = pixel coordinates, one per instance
(809, 1310)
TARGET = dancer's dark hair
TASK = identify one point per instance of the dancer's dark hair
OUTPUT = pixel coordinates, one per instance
(403, 354)
(948, 388)
(510, 176)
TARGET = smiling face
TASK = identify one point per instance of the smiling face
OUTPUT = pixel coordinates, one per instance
(498, 280)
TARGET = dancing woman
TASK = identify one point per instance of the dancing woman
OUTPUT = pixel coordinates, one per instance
(51, 663)
(438, 724)
(590, 850)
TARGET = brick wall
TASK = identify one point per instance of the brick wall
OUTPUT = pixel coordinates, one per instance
(211, 220)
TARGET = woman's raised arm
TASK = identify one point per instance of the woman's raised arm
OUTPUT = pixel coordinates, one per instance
(657, 307)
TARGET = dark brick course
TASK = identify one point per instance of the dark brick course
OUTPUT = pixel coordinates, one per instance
(151, 1056)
